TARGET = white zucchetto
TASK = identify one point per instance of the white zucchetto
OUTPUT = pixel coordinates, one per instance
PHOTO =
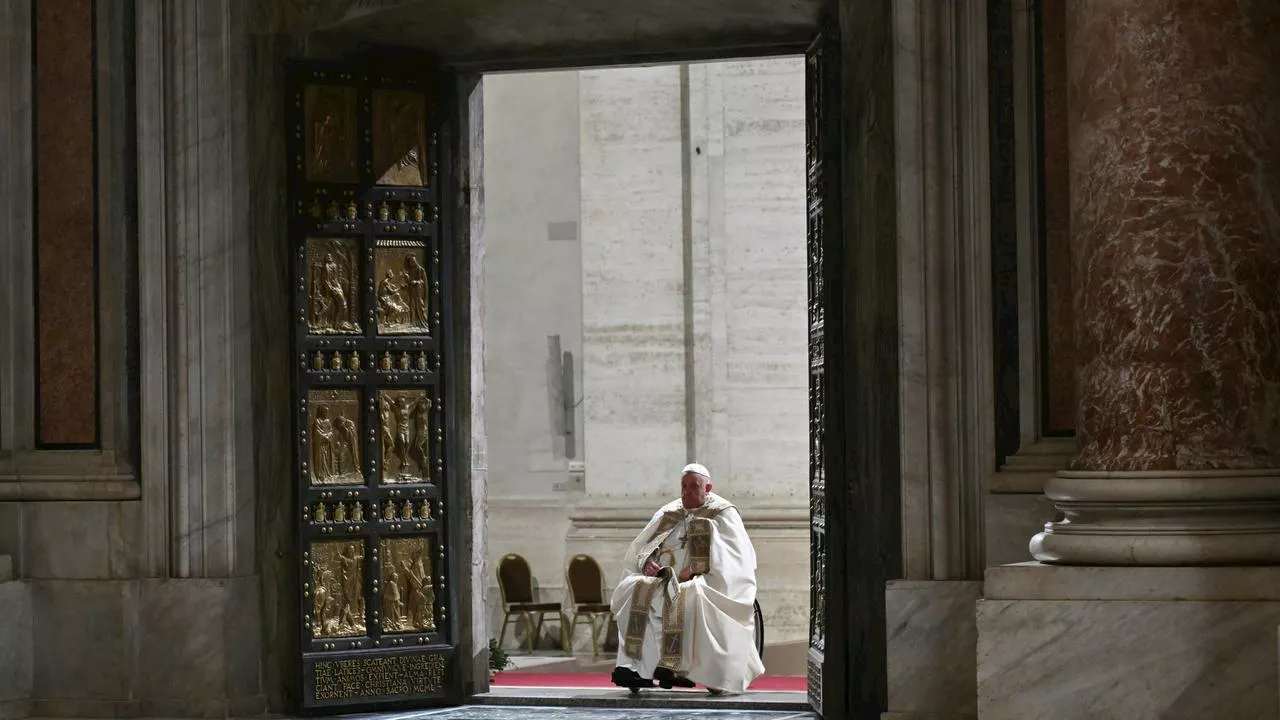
(696, 469)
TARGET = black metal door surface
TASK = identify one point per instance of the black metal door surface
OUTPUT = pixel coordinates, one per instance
(823, 165)
(368, 189)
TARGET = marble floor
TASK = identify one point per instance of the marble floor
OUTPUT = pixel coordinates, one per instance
(507, 712)
(782, 704)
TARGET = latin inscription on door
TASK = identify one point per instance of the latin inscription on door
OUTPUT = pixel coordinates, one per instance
(379, 677)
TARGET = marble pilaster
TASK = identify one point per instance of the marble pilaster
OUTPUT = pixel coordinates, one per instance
(942, 291)
(16, 209)
(194, 221)
(1176, 254)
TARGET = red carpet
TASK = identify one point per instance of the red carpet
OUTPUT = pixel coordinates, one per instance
(776, 683)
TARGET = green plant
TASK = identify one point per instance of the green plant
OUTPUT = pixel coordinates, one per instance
(498, 658)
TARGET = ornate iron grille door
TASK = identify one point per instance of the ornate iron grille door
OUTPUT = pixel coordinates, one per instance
(823, 163)
(367, 187)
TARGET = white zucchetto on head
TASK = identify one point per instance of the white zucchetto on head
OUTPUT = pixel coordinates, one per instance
(696, 469)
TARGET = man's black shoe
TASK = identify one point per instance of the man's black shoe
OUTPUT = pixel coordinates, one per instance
(628, 678)
(668, 679)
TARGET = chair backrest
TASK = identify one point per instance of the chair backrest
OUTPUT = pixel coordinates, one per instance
(515, 580)
(586, 582)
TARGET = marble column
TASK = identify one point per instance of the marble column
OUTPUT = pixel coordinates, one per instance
(1174, 112)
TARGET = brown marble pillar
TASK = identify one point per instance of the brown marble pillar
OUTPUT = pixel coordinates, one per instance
(1175, 177)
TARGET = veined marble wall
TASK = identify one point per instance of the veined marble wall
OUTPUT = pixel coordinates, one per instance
(134, 551)
(652, 219)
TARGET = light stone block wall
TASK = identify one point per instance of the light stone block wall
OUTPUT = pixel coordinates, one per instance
(532, 277)
(683, 296)
(758, 319)
(532, 291)
(633, 280)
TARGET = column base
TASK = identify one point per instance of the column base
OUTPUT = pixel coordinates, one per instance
(1163, 518)
(1063, 643)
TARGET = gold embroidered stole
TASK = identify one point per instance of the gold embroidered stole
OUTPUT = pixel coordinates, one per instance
(638, 617)
(698, 559)
(670, 519)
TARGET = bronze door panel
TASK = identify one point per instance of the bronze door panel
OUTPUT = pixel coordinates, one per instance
(373, 483)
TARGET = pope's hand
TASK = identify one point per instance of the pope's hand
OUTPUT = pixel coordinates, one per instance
(686, 575)
(651, 568)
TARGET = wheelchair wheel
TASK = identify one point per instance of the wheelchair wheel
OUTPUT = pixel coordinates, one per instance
(759, 629)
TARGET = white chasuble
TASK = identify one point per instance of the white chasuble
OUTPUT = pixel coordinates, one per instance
(703, 629)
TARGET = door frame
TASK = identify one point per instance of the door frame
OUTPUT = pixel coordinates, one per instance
(872, 411)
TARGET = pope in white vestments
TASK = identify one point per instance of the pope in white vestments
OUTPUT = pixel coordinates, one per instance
(685, 603)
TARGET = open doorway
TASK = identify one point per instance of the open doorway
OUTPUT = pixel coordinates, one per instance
(341, 114)
(644, 305)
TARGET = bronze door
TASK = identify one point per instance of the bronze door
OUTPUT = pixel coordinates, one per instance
(368, 191)
(822, 133)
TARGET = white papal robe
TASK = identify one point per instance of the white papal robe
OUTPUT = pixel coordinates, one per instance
(702, 629)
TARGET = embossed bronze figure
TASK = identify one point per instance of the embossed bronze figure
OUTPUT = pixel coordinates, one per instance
(338, 598)
(352, 586)
(400, 117)
(332, 292)
(422, 434)
(330, 134)
(392, 308)
(417, 287)
(405, 435)
(392, 604)
(349, 445)
(421, 594)
(322, 467)
(387, 415)
(335, 438)
(403, 299)
(404, 430)
(322, 608)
